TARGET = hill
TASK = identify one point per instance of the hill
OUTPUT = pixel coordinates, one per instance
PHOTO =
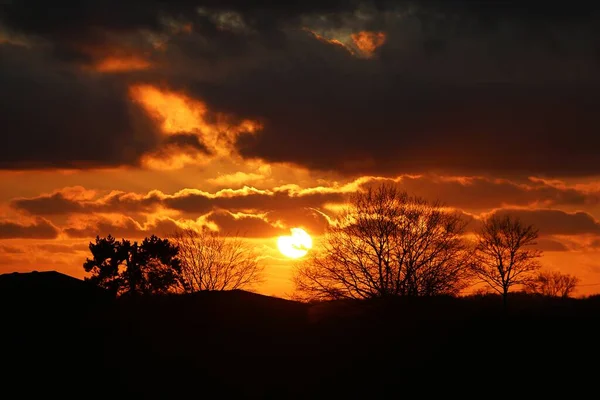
(245, 345)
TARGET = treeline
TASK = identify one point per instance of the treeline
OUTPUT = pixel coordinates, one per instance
(191, 261)
(386, 243)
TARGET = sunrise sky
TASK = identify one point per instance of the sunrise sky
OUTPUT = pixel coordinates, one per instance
(134, 118)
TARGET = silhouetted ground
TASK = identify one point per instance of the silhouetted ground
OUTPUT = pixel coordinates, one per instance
(63, 337)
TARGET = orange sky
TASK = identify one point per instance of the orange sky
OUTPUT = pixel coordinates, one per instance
(259, 123)
(51, 215)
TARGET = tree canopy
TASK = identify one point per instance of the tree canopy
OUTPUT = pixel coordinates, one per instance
(124, 267)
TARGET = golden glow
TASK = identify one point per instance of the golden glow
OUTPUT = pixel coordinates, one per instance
(367, 42)
(296, 245)
(121, 64)
(176, 111)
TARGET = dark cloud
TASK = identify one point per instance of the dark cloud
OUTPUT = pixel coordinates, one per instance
(39, 229)
(477, 128)
(11, 249)
(64, 203)
(484, 193)
(556, 222)
(184, 141)
(458, 86)
(470, 193)
(55, 116)
(312, 220)
(52, 204)
(547, 244)
(246, 225)
(270, 224)
(188, 201)
(513, 98)
(125, 227)
(241, 200)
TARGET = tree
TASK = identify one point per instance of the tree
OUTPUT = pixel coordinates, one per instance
(554, 284)
(211, 261)
(387, 243)
(502, 257)
(124, 267)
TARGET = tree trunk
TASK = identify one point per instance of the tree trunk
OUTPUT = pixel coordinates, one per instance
(504, 297)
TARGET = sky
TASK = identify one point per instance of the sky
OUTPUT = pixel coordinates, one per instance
(142, 117)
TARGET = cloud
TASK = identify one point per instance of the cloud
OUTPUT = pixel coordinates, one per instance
(121, 64)
(193, 133)
(236, 179)
(361, 44)
(478, 192)
(186, 201)
(315, 222)
(120, 226)
(555, 222)
(367, 42)
(195, 201)
(397, 112)
(454, 88)
(63, 248)
(55, 117)
(11, 249)
(58, 116)
(39, 229)
(547, 244)
(242, 224)
(468, 193)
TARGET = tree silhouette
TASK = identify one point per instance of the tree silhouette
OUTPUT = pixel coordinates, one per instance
(501, 258)
(211, 261)
(124, 267)
(554, 284)
(387, 243)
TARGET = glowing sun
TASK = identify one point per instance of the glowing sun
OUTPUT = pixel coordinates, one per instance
(296, 245)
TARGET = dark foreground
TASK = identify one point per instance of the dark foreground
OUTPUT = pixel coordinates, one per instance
(61, 337)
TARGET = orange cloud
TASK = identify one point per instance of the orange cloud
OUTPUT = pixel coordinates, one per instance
(237, 178)
(367, 42)
(120, 225)
(334, 42)
(40, 228)
(178, 113)
(175, 111)
(121, 64)
(361, 44)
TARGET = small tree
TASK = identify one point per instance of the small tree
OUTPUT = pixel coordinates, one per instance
(211, 261)
(553, 284)
(387, 243)
(124, 267)
(502, 258)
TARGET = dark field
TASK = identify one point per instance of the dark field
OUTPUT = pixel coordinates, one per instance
(62, 337)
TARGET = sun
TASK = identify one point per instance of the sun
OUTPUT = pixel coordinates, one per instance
(296, 245)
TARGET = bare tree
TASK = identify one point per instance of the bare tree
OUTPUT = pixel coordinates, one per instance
(210, 261)
(387, 243)
(553, 284)
(502, 258)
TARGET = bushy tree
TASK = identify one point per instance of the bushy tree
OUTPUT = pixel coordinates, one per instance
(125, 267)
